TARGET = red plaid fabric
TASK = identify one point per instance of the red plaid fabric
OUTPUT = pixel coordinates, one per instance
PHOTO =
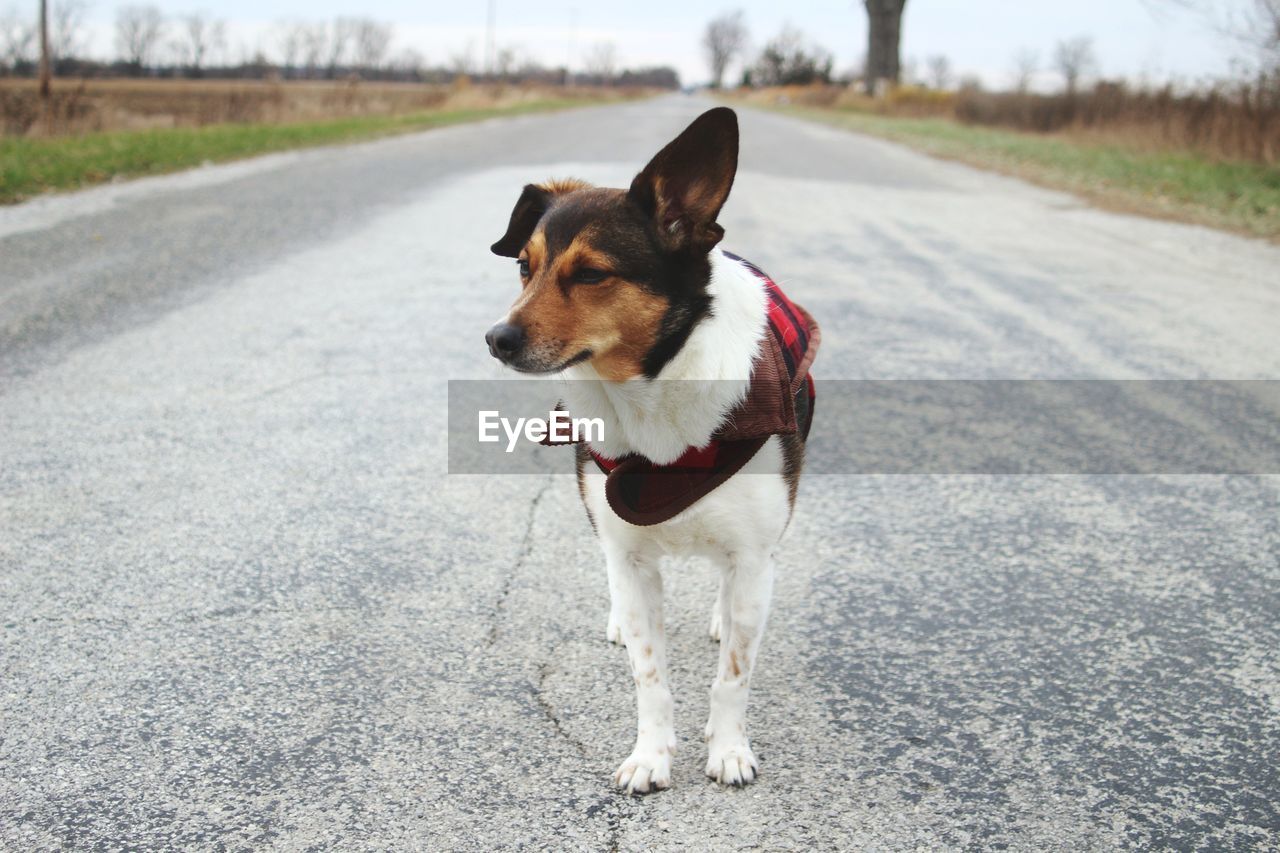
(795, 331)
(780, 401)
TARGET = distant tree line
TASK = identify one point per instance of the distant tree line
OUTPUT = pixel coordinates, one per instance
(150, 44)
(791, 58)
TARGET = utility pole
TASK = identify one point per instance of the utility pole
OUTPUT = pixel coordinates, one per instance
(45, 70)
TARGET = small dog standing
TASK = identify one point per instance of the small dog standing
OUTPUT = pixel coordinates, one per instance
(698, 365)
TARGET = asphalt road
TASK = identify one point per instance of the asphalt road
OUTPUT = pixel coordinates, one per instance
(244, 606)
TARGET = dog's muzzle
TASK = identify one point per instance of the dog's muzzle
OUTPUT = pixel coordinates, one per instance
(505, 341)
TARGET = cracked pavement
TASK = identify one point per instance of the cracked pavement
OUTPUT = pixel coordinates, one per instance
(245, 607)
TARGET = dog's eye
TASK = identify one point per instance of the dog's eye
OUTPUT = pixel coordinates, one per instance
(524, 267)
(590, 276)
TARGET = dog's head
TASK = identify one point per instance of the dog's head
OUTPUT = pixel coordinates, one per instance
(618, 278)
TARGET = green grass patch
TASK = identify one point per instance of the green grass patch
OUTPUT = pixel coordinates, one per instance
(1241, 197)
(29, 166)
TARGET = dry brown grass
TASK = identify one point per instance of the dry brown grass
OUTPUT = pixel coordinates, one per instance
(1150, 162)
(110, 105)
(1237, 123)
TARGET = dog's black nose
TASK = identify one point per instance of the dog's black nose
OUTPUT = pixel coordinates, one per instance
(505, 340)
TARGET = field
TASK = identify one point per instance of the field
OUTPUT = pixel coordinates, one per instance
(1195, 162)
(101, 130)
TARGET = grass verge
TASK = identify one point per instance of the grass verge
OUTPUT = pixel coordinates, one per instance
(1240, 197)
(30, 166)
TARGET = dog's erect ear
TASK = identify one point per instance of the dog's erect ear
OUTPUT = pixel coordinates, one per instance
(524, 218)
(686, 184)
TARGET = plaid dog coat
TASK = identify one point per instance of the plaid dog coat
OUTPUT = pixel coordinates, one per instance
(779, 401)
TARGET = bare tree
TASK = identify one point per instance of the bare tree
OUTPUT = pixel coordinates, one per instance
(372, 40)
(1074, 58)
(884, 38)
(341, 33)
(506, 61)
(138, 30)
(790, 59)
(243, 54)
(939, 71)
(408, 62)
(602, 62)
(1256, 26)
(315, 37)
(17, 39)
(1025, 65)
(724, 41)
(66, 28)
(464, 62)
(1266, 26)
(291, 36)
(198, 36)
(909, 72)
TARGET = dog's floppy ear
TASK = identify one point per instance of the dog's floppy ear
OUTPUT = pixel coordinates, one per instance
(532, 204)
(686, 184)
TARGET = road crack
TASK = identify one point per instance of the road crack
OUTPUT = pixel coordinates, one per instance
(550, 712)
(526, 548)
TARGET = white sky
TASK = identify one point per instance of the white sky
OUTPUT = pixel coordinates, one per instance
(1133, 38)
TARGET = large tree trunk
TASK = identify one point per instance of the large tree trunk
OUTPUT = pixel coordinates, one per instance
(884, 32)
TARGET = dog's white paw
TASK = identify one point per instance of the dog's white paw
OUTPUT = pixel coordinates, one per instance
(714, 629)
(732, 763)
(613, 632)
(645, 770)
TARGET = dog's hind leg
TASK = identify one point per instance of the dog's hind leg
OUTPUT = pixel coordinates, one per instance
(745, 588)
(636, 585)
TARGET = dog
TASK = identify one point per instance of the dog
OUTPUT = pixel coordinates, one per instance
(698, 366)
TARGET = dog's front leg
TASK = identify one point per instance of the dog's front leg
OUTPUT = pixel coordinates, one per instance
(716, 617)
(637, 592)
(745, 589)
(613, 632)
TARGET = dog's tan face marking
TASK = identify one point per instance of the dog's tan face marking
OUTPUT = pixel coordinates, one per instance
(577, 304)
(645, 251)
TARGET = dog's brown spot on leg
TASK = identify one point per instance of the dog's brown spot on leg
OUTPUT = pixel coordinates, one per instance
(741, 653)
(733, 664)
(648, 651)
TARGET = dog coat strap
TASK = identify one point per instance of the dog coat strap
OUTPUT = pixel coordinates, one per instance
(643, 494)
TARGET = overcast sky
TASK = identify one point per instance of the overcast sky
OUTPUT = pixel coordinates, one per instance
(1134, 38)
